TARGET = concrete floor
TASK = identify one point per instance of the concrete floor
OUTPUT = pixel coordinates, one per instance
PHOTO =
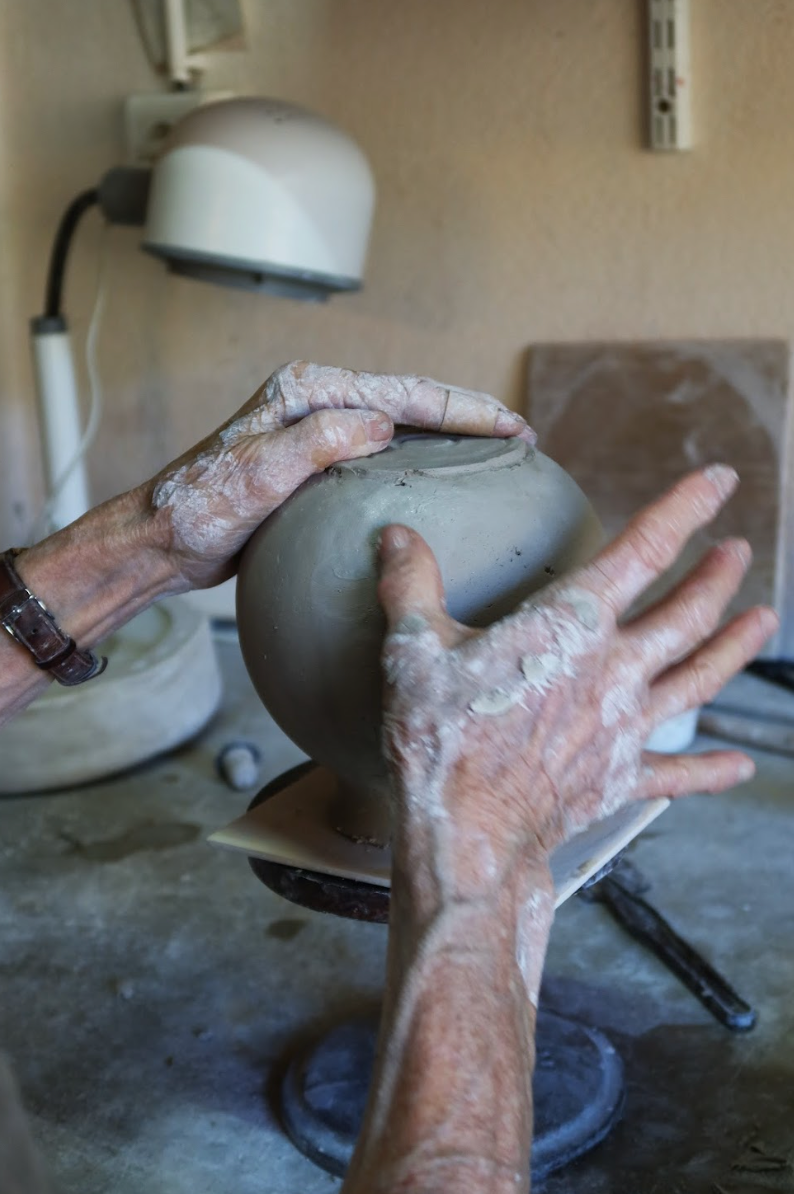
(151, 986)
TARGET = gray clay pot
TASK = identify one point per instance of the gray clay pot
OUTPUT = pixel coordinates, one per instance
(502, 520)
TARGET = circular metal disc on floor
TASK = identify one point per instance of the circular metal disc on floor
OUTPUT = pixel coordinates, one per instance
(577, 1089)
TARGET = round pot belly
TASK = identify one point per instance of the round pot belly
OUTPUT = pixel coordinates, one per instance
(502, 520)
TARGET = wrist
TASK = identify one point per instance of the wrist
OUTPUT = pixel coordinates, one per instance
(463, 851)
(101, 570)
(458, 1044)
(511, 907)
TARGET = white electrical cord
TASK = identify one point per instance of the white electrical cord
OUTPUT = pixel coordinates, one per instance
(42, 524)
(175, 21)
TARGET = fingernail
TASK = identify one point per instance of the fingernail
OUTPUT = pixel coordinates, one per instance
(379, 426)
(507, 422)
(746, 770)
(741, 549)
(393, 539)
(770, 622)
(722, 477)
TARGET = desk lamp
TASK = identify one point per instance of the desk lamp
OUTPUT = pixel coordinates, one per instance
(252, 193)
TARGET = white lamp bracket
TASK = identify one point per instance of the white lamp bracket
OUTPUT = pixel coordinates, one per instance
(182, 65)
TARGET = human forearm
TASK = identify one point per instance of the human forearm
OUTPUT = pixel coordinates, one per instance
(94, 576)
(451, 1102)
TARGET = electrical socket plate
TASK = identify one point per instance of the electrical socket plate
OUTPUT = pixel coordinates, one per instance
(148, 119)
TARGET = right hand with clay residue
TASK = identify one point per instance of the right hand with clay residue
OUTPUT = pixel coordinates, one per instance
(512, 739)
(504, 743)
(302, 420)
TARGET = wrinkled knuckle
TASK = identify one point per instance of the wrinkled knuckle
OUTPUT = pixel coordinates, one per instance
(704, 612)
(705, 682)
(668, 777)
(607, 590)
(293, 370)
(654, 784)
(332, 435)
(650, 546)
(658, 784)
(282, 379)
(679, 779)
(699, 493)
(324, 421)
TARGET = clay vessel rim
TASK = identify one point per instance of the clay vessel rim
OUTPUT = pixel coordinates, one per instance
(494, 454)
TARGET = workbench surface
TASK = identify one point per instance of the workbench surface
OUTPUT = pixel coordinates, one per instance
(151, 986)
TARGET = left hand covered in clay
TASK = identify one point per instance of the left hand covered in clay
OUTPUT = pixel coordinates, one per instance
(303, 419)
(506, 742)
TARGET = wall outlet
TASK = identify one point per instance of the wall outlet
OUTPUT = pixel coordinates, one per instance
(670, 75)
(148, 119)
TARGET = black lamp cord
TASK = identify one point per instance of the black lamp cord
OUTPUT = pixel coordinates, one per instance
(53, 301)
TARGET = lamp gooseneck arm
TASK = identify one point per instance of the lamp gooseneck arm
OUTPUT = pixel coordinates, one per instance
(53, 301)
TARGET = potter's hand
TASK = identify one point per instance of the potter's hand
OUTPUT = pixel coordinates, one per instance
(516, 737)
(506, 742)
(303, 419)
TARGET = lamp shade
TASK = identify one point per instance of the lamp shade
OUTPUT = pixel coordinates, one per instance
(262, 194)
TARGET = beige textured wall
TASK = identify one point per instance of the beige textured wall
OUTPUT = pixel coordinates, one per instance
(516, 201)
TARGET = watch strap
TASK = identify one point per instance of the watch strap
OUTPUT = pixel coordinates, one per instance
(31, 624)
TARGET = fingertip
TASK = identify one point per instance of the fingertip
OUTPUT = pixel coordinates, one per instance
(723, 478)
(769, 619)
(745, 769)
(508, 424)
(377, 425)
(740, 548)
(393, 540)
(410, 580)
(726, 769)
(329, 436)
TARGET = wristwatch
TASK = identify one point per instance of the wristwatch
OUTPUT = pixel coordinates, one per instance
(31, 624)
